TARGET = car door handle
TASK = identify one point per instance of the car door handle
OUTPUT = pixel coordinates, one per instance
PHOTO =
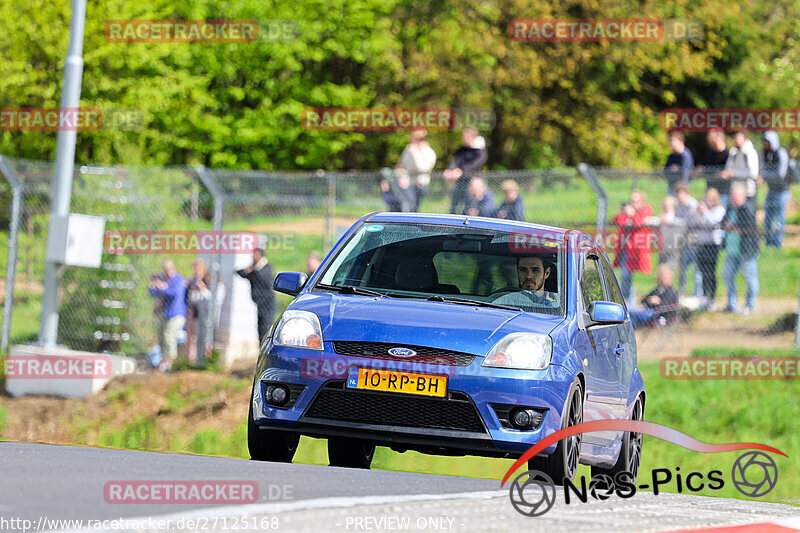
(619, 350)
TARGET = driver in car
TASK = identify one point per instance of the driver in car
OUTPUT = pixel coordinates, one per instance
(531, 274)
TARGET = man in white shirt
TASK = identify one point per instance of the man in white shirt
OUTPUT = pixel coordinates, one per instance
(742, 165)
(417, 160)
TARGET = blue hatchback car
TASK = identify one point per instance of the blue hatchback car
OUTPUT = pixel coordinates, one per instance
(451, 335)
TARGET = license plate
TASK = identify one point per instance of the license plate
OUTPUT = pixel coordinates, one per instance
(391, 381)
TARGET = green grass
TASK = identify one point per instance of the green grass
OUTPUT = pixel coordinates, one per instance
(740, 351)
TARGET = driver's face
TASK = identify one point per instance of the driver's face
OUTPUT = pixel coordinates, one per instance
(531, 273)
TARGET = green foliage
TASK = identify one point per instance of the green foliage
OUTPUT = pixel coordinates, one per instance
(239, 105)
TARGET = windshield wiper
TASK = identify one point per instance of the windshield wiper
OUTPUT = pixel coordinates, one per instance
(479, 303)
(349, 289)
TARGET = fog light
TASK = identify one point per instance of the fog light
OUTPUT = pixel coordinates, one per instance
(525, 418)
(277, 395)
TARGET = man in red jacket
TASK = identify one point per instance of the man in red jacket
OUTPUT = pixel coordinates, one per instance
(633, 242)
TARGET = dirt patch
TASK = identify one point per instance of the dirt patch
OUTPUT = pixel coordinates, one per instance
(179, 403)
(721, 329)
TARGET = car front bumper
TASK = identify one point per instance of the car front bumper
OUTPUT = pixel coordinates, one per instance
(465, 422)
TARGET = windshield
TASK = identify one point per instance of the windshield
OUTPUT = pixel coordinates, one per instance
(447, 263)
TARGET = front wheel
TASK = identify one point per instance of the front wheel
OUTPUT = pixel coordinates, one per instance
(269, 444)
(630, 455)
(350, 453)
(563, 463)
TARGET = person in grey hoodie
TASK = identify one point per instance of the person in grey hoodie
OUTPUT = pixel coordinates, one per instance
(774, 169)
(742, 165)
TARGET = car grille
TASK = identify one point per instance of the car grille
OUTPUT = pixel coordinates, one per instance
(425, 354)
(334, 402)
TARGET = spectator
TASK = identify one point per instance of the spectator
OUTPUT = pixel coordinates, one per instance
(467, 161)
(417, 160)
(402, 197)
(741, 248)
(259, 274)
(685, 208)
(660, 304)
(171, 291)
(707, 220)
(480, 202)
(312, 263)
(742, 165)
(512, 207)
(774, 171)
(679, 163)
(714, 163)
(633, 243)
(672, 233)
(198, 297)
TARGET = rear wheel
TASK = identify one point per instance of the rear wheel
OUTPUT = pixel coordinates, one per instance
(350, 453)
(563, 463)
(269, 444)
(630, 455)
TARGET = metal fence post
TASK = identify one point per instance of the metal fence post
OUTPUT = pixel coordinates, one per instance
(13, 241)
(207, 177)
(602, 198)
(797, 324)
(331, 212)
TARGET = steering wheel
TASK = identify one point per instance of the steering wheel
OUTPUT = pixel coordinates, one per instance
(506, 290)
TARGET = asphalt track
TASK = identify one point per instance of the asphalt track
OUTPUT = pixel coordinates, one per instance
(43, 484)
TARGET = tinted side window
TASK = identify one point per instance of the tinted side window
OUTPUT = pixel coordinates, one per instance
(612, 286)
(591, 285)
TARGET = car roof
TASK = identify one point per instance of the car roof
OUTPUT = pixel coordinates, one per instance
(463, 220)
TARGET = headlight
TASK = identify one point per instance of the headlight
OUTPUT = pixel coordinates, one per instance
(528, 351)
(299, 329)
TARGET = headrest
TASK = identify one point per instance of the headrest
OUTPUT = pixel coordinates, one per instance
(415, 276)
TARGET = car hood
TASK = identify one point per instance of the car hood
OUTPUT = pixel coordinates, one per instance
(440, 325)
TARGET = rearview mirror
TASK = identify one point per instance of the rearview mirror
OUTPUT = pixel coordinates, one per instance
(602, 312)
(290, 283)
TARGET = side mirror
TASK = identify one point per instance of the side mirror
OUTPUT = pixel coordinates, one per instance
(606, 313)
(290, 283)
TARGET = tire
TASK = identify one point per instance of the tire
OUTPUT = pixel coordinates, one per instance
(630, 456)
(269, 444)
(350, 453)
(563, 463)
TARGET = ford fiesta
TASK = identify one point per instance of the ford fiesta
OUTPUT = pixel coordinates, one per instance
(451, 335)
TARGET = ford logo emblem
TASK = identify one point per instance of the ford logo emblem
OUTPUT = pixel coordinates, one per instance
(402, 352)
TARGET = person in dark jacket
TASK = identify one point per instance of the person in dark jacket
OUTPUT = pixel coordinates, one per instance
(480, 202)
(467, 161)
(401, 197)
(680, 162)
(774, 169)
(259, 274)
(714, 162)
(512, 207)
(660, 304)
(741, 248)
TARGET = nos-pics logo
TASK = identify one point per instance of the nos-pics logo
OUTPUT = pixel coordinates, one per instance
(533, 493)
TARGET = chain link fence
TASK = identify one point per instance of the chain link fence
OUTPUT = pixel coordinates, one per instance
(109, 308)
